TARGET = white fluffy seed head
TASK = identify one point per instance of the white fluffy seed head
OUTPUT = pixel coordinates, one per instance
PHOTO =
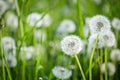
(3, 7)
(46, 21)
(11, 60)
(61, 72)
(116, 23)
(66, 26)
(115, 55)
(8, 43)
(34, 19)
(26, 53)
(111, 68)
(71, 45)
(107, 38)
(12, 21)
(40, 35)
(99, 24)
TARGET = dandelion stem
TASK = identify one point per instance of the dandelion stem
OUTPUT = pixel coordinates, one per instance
(3, 68)
(91, 58)
(80, 67)
(23, 70)
(81, 20)
(117, 37)
(100, 62)
(20, 20)
(38, 62)
(106, 77)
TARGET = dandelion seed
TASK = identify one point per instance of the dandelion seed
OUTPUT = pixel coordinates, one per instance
(71, 45)
(61, 72)
(99, 24)
(26, 53)
(111, 68)
(116, 23)
(115, 55)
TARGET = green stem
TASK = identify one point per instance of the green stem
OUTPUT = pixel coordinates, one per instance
(81, 20)
(20, 19)
(80, 67)
(106, 74)
(100, 62)
(3, 68)
(36, 71)
(3, 56)
(117, 37)
(23, 70)
(91, 58)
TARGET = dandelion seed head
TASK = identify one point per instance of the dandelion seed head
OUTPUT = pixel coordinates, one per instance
(46, 21)
(108, 38)
(61, 72)
(116, 23)
(11, 60)
(98, 24)
(40, 35)
(26, 52)
(8, 43)
(12, 21)
(115, 55)
(3, 7)
(71, 45)
(66, 26)
(111, 68)
(34, 19)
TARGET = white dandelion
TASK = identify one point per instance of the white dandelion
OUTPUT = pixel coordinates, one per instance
(3, 7)
(12, 21)
(107, 38)
(111, 68)
(116, 23)
(40, 35)
(66, 26)
(115, 55)
(8, 44)
(46, 20)
(86, 27)
(99, 24)
(97, 2)
(11, 61)
(34, 19)
(26, 53)
(71, 45)
(61, 72)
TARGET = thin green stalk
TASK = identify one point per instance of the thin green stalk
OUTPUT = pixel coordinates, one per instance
(117, 37)
(3, 56)
(20, 19)
(38, 62)
(81, 20)
(3, 68)
(91, 58)
(106, 73)
(83, 75)
(100, 62)
(23, 69)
